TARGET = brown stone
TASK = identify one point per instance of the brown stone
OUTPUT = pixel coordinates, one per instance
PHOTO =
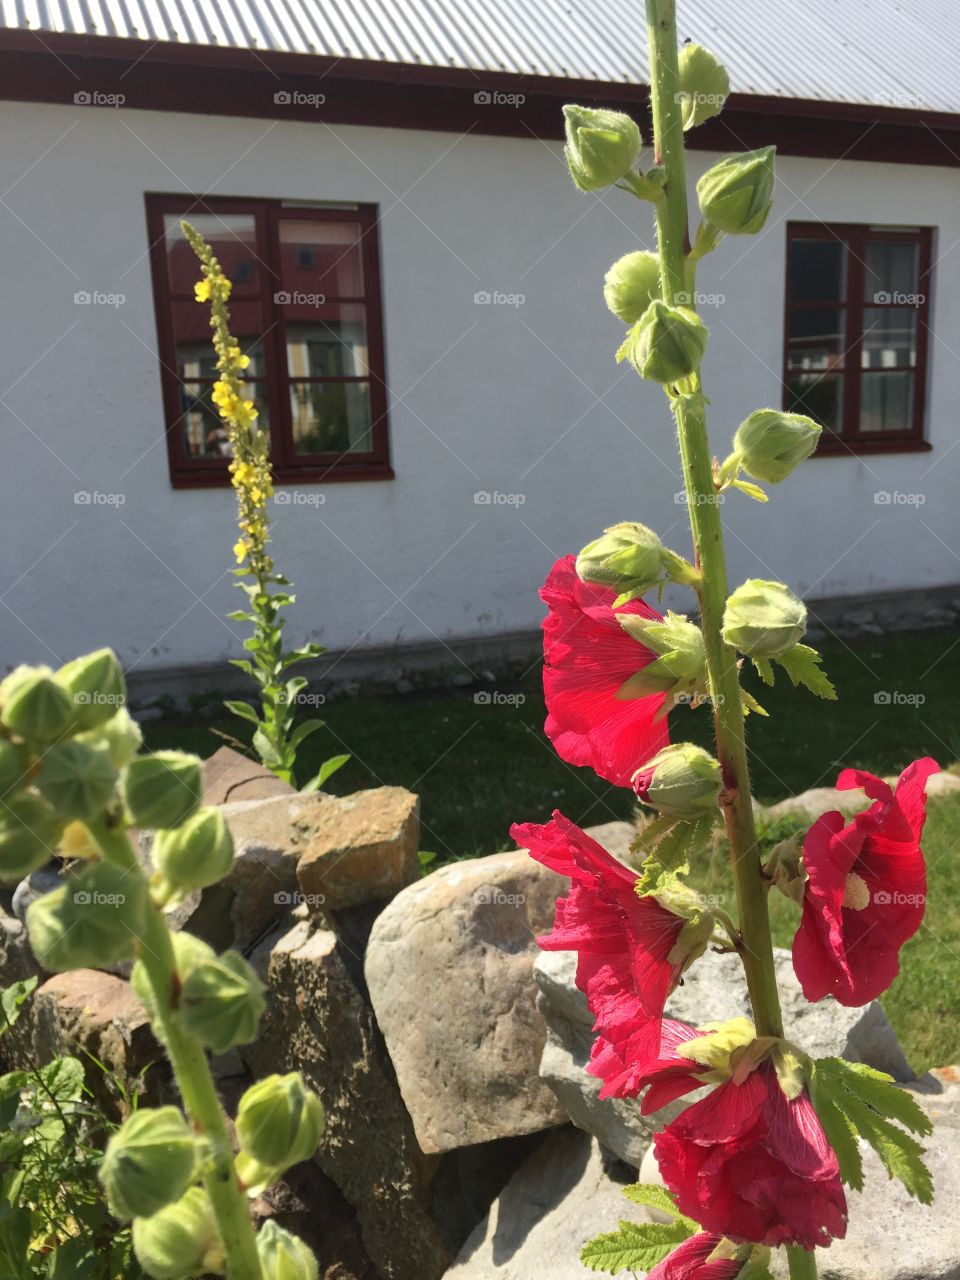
(228, 776)
(449, 968)
(318, 1023)
(360, 848)
(87, 1014)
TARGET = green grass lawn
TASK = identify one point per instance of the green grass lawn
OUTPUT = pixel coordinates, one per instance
(480, 767)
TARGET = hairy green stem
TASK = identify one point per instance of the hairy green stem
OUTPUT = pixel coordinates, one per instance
(803, 1264)
(193, 1076)
(707, 529)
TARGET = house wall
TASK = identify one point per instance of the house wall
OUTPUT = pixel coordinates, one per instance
(519, 400)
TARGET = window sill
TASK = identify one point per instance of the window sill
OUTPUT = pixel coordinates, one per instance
(840, 448)
(220, 479)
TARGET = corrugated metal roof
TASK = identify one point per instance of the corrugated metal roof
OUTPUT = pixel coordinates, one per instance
(884, 52)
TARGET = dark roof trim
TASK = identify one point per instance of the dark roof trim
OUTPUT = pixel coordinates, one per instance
(50, 67)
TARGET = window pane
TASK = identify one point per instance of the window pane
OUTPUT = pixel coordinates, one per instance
(886, 402)
(204, 431)
(331, 417)
(816, 338)
(819, 396)
(889, 337)
(233, 238)
(891, 272)
(818, 270)
(321, 258)
(329, 342)
(196, 358)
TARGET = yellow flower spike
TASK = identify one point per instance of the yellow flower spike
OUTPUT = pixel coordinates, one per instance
(202, 291)
(240, 551)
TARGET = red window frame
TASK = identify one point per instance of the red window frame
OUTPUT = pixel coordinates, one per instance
(850, 438)
(289, 466)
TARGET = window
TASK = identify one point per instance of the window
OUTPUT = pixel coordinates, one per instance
(855, 357)
(305, 307)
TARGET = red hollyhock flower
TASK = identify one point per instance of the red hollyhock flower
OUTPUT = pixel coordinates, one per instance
(866, 890)
(690, 1261)
(750, 1163)
(588, 656)
(624, 943)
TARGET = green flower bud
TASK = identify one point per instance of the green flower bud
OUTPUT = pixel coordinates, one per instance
(179, 1241)
(29, 832)
(628, 557)
(737, 193)
(680, 668)
(121, 735)
(602, 146)
(764, 619)
(162, 790)
(95, 919)
(666, 344)
(279, 1121)
(769, 444)
(704, 85)
(34, 705)
(196, 854)
(284, 1256)
(631, 284)
(682, 780)
(78, 779)
(221, 1002)
(188, 951)
(14, 763)
(148, 1163)
(95, 686)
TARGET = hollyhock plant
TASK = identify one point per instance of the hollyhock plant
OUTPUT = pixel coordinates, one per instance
(866, 889)
(631, 949)
(761, 1160)
(755, 1165)
(588, 657)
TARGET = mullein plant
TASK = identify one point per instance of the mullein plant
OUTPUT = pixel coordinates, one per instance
(762, 1160)
(276, 734)
(75, 784)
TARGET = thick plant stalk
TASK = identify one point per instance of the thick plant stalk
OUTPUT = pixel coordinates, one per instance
(193, 1076)
(677, 279)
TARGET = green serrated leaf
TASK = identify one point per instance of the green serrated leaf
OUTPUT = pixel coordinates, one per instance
(670, 844)
(635, 1247)
(840, 1132)
(764, 669)
(899, 1152)
(657, 1197)
(802, 665)
(749, 703)
(878, 1090)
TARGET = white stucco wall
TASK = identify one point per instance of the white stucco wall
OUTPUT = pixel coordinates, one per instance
(517, 400)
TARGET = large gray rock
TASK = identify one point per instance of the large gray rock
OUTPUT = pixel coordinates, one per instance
(318, 1023)
(560, 1198)
(713, 990)
(449, 967)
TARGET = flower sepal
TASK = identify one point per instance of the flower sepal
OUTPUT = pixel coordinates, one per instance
(680, 668)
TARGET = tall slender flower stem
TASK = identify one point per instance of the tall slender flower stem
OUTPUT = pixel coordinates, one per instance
(193, 1076)
(689, 407)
